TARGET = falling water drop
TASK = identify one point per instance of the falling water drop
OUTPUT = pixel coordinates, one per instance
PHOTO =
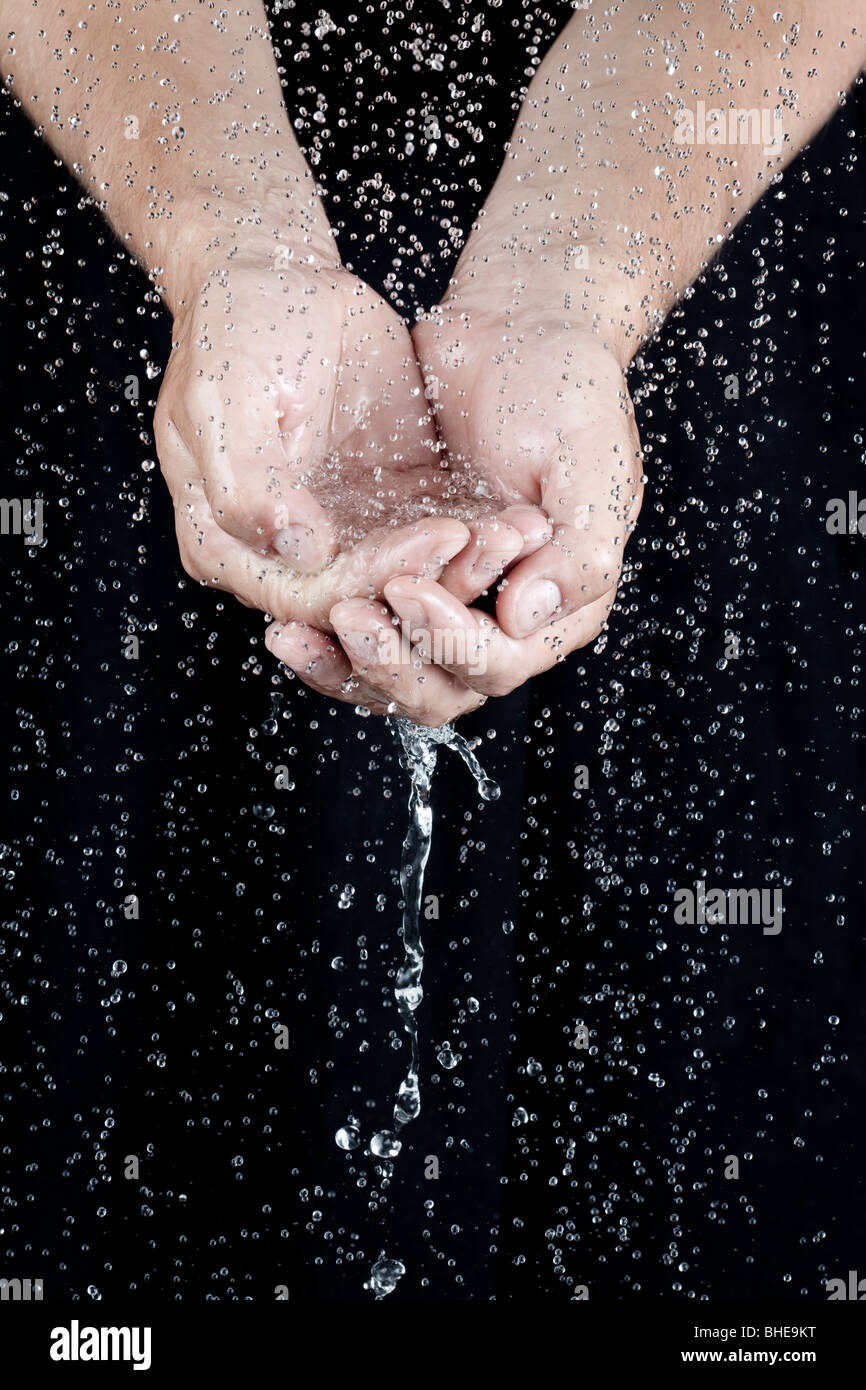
(385, 1276)
(385, 1144)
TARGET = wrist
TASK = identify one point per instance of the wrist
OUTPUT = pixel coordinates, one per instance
(546, 267)
(279, 224)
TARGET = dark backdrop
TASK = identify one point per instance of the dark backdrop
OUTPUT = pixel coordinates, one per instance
(559, 1167)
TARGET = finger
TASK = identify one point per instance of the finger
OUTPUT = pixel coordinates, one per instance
(425, 548)
(495, 544)
(591, 492)
(381, 414)
(213, 556)
(320, 663)
(210, 555)
(384, 659)
(532, 523)
(473, 647)
(249, 453)
(258, 421)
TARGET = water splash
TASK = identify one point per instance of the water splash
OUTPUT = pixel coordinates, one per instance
(384, 1276)
(420, 750)
(271, 725)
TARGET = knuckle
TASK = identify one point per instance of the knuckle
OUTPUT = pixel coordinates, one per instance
(189, 556)
(500, 683)
(422, 710)
(470, 706)
(225, 507)
(161, 419)
(191, 569)
(601, 572)
(273, 596)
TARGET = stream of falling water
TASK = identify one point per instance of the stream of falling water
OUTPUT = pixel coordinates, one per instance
(420, 749)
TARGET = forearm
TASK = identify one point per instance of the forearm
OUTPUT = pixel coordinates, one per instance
(609, 184)
(171, 116)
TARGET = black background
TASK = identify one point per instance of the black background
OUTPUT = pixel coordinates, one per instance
(140, 777)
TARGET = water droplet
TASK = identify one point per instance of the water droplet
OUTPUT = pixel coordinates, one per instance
(447, 1058)
(385, 1276)
(385, 1144)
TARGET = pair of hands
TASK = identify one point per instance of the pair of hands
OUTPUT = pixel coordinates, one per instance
(364, 485)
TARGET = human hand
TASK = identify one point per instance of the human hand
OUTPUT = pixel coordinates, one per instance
(541, 409)
(290, 374)
(539, 402)
(290, 379)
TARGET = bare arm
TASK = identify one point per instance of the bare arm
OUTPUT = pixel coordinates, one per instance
(649, 130)
(172, 117)
(617, 149)
(289, 379)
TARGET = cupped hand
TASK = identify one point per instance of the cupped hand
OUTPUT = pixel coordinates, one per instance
(292, 417)
(541, 406)
(388, 665)
(297, 442)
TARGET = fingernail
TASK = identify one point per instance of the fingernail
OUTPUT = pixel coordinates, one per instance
(536, 606)
(359, 644)
(409, 610)
(276, 643)
(299, 545)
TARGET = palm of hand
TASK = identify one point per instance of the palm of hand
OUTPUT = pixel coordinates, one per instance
(543, 411)
(285, 382)
(293, 427)
(295, 434)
